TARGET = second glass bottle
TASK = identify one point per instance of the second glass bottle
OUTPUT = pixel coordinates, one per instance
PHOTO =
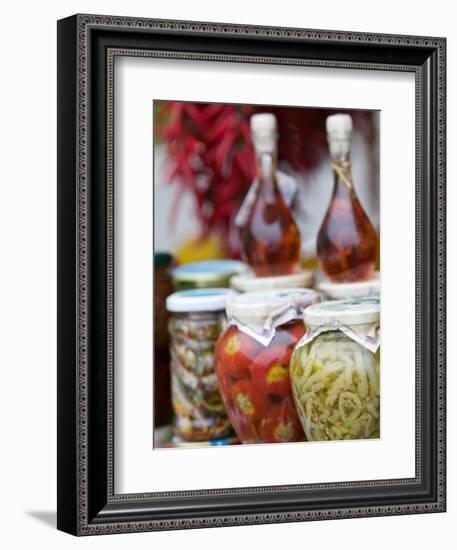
(347, 241)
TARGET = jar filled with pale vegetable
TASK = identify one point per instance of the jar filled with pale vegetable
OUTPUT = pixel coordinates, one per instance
(335, 371)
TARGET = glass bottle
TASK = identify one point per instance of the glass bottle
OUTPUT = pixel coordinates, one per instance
(270, 239)
(347, 241)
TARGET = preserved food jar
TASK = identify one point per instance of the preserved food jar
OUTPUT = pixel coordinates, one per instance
(252, 363)
(335, 371)
(248, 282)
(163, 287)
(207, 274)
(197, 318)
(346, 291)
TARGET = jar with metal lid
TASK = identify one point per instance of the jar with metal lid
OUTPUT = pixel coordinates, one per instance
(197, 318)
(163, 287)
(252, 363)
(206, 274)
(335, 371)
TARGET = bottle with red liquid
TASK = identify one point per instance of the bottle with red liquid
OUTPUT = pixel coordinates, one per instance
(270, 239)
(347, 241)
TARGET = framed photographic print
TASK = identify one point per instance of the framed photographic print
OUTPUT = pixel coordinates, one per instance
(243, 212)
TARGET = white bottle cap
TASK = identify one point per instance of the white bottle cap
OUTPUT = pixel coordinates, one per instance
(264, 132)
(339, 125)
(339, 135)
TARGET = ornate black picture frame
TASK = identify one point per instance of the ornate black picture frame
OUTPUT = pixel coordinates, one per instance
(87, 47)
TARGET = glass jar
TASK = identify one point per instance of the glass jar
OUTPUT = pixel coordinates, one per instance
(197, 318)
(163, 287)
(248, 282)
(335, 371)
(252, 363)
(206, 274)
(346, 291)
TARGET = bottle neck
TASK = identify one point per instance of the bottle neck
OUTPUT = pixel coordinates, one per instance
(341, 166)
(266, 172)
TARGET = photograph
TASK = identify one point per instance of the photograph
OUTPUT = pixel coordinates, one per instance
(243, 212)
(266, 274)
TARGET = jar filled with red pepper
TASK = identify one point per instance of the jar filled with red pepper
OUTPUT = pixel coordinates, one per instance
(252, 363)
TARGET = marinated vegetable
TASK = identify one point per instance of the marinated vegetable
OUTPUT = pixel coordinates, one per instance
(335, 375)
(335, 382)
(199, 412)
(281, 424)
(257, 392)
(271, 374)
(237, 350)
(253, 371)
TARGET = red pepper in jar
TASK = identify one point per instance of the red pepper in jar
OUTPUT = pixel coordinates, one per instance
(296, 330)
(288, 335)
(281, 424)
(248, 400)
(225, 384)
(236, 351)
(270, 371)
(253, 371)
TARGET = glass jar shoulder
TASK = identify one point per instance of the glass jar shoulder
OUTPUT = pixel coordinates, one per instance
(331, 346)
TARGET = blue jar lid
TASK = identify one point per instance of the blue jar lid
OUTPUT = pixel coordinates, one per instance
(212, 273)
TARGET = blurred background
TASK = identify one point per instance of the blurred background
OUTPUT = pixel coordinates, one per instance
(204, 164)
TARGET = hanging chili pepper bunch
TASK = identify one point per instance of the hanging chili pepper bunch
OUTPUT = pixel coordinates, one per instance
(209, 146)
(212, 157)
